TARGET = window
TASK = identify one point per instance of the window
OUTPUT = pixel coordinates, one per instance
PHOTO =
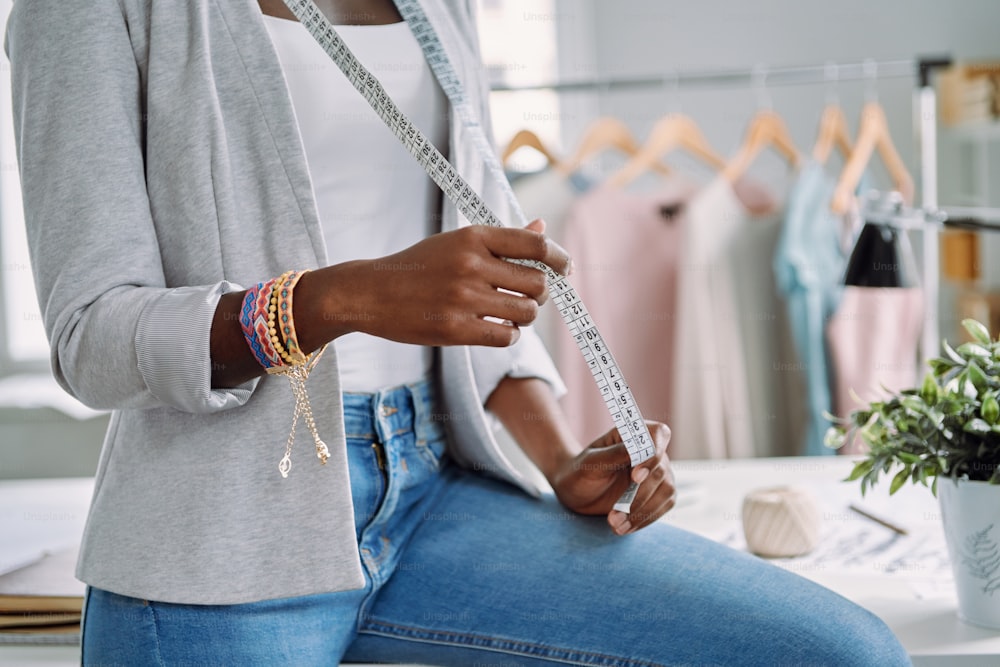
(24, 345)
(531, 25)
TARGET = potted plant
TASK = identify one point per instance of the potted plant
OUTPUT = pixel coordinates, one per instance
(948, 428)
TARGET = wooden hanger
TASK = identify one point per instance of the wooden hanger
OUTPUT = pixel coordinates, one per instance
(528, 139)
(873, 134)
(766, 129)
(602, 134)
(670, 132)
(833, 133)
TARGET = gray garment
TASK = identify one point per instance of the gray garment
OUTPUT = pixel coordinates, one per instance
(161, 167)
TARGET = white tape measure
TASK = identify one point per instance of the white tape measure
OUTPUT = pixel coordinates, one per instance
(617, 396)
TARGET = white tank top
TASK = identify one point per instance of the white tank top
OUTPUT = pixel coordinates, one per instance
(373, 199)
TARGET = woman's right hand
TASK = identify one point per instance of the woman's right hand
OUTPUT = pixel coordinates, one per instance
(438, 291)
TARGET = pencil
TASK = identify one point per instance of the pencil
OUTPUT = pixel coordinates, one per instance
(891, 526)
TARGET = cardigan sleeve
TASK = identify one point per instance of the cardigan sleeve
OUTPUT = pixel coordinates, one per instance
(119, 337)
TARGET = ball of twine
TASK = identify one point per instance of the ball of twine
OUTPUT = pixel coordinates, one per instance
(780, 522)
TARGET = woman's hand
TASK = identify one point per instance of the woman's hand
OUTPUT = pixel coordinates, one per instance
(593, 480)
(438, 291)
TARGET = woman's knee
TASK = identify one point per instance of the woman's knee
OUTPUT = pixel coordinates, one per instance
(840, 633)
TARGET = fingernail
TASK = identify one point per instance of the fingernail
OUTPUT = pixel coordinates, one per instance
(617, 518)
(625, 527)
(640, 475)
(569, 267)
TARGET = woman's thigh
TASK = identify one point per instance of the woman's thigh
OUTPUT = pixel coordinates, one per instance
(494, 577)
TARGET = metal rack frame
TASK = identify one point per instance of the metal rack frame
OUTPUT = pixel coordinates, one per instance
(777, 76)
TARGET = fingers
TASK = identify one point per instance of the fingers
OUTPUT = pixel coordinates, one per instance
(520, 310)
(657, 492)
(611, 451)
(526, 244)
(536, 225)
(660, 433)
(656, 496)
(526, 280)
(489, 334)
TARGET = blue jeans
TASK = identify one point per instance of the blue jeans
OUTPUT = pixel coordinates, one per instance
(462, 570)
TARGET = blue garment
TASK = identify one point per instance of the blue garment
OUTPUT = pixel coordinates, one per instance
(462, 570)
(809, 267)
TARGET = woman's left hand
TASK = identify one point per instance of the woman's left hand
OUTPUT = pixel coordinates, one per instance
(592, 481)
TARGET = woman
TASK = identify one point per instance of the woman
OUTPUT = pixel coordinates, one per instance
(176, 160)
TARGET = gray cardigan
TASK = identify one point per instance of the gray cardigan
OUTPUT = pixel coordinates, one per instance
(161, 167)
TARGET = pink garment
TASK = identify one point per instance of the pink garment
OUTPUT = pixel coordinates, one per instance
(625, 254)
(873, 339)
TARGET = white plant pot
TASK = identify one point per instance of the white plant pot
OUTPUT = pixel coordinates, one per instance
(970, 512)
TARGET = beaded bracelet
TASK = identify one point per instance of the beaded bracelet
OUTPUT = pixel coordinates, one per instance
(281, 325)
(258, 320)
(272, 326)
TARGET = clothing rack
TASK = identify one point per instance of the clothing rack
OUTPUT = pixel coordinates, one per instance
(831, 72)
(972, 217)
(925, 113)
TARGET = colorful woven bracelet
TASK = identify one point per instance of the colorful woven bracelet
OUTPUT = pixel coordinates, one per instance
(269, 329)
(253, 322)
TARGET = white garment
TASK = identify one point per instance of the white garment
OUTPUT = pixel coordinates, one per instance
(548, 195)
(382, 201)
(713, 413)
(776, 375)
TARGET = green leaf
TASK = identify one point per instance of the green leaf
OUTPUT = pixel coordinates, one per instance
(860, 468)
(899, 480)
(941, 366)
(966, 389)
(977, 426)
(952, 354)
(972, 350)
(929, 390)
(913, 404)
(991, 409)
(907, 457)
(934, 486)
(978, 377)
(977, 331)
(923, 475)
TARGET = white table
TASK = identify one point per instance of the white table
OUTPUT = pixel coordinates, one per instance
(918, 605)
